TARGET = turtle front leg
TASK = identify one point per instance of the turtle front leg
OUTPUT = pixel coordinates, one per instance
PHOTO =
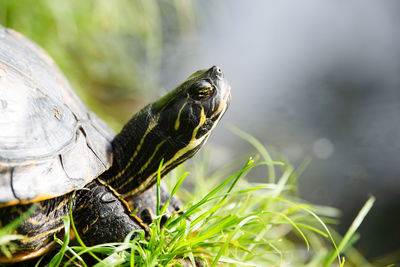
(145, 205)
(101, 216)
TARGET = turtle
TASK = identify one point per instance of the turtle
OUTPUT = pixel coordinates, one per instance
(57, 155)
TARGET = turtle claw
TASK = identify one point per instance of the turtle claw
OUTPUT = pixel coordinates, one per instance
(145, 206)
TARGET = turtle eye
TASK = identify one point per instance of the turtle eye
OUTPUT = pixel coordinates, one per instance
(201, 90)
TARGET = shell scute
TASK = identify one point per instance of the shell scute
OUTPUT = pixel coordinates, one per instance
(49, 145)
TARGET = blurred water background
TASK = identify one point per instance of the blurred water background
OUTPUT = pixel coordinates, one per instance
(311, 79)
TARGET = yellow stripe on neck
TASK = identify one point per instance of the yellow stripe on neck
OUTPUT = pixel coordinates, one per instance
(152, 124)
(191, 145)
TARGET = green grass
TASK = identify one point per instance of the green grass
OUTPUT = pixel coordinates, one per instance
(227, 221)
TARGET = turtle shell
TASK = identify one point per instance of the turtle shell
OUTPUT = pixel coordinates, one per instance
(50, 143)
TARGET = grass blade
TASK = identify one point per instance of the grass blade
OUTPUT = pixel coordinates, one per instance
(260, 148)
(353, 228)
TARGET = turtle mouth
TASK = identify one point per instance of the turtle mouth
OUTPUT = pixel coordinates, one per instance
(219, 112)
(224, 103)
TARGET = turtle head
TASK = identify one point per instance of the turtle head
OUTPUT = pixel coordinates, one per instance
(172, 129)
(189, 113)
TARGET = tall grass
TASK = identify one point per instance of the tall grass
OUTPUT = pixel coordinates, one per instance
(235, 223)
